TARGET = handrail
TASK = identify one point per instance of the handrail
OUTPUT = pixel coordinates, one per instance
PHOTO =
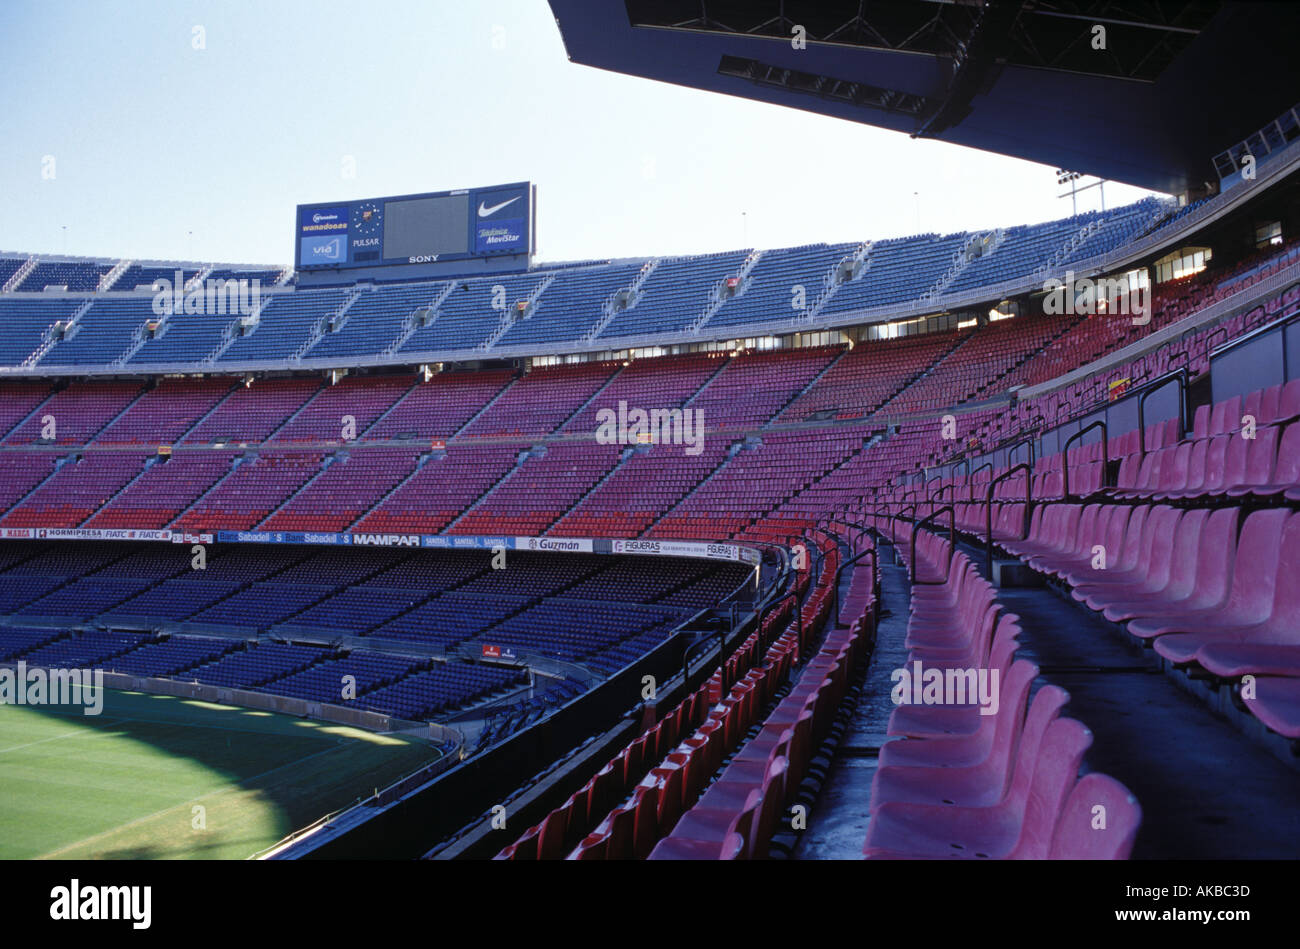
(1065, 452)
(952, 547)
(766, 608)
(899, 516)
(1024, 441)
(988, 510)
(1288, 315)
(1181, 377)
(875, 586)
(854, 541)
(971, 481)
(694, 647)
(937, 496)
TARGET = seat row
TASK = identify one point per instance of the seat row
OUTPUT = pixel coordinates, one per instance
(983, 773)
(638, 797)
(1210, 590)
(736, 815)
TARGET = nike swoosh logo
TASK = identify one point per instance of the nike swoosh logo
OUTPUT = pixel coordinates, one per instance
(488, 212)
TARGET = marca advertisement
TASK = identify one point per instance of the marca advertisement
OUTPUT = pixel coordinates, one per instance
(416, 228)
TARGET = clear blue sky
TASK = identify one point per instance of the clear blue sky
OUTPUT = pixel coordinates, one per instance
(153, 139)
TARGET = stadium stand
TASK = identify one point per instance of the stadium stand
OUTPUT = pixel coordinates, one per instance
(842, 444)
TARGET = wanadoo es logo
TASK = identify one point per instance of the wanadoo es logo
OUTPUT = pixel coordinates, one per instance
(103, 902)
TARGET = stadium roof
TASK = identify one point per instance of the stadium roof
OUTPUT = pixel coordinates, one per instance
(1177, 82)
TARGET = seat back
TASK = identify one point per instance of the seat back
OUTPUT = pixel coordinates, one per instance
(1055, 772)
(1284, 618)
(769, 809)
(1214, 559)
(1099, 821)
(1004, 643)
(1130, 549)
(1196, 466)
(1043, 710)
(1173, 477)
(1257, 564)
(1009, 724)
(550, 839)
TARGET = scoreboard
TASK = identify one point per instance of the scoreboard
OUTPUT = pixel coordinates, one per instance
(416, 229)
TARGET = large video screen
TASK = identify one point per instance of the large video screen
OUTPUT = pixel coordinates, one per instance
(416, 228)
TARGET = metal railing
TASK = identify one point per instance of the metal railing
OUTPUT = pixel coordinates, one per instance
(952, 546)
(988, 510)
(1065, 453)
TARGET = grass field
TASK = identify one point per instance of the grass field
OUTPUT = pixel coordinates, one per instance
(124, 784)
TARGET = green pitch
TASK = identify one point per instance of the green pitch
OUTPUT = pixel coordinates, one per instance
(126, 784)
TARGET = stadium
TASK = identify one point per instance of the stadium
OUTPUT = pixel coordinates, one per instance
(972, 545)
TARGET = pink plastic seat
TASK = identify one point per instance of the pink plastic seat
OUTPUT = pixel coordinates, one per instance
(1207, 476)
(1264, 588)
(972, 785)
(1083, 833)
(1207, 592)
(1144, 566)
(1277, 704)
(1261, 458)
(1249, 602)
(1121, 543)
(1020, 825)
(1230, 660)
(1285, 475)
(1289, 404)
(1180, 581)
(957, 750)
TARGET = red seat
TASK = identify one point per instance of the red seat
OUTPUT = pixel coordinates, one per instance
(708, 835)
